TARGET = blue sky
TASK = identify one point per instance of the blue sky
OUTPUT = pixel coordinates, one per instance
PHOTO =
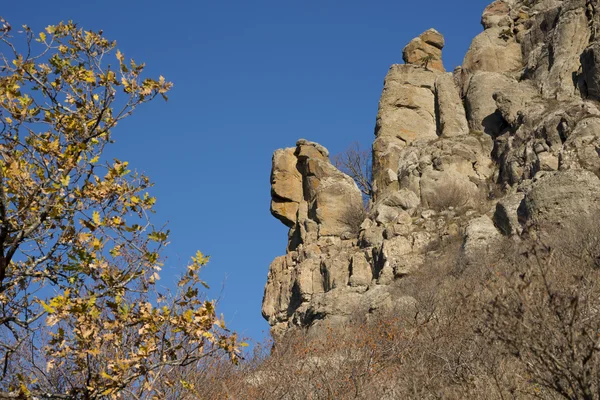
(250, 77)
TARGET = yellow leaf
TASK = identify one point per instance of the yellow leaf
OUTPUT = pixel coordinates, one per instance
(47, 308)
(90, 77)
(65, 180)
(96, 218)
(42, 36)
(106, 376)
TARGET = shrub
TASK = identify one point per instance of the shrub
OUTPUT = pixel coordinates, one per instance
(353, 216)
(450, 195)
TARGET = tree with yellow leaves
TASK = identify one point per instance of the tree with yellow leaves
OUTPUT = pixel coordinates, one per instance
(81, 316)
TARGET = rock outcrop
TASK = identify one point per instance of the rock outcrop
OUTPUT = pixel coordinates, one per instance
(425, 50)
(507, 147)
(312, 197)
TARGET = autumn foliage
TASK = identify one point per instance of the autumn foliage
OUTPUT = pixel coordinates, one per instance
(81, 316)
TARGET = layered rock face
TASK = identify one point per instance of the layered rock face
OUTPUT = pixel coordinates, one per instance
(506, 146)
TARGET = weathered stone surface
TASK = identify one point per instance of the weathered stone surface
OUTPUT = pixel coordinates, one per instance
(582, 148)
(286, 180)
(395, 255)
(555, 199)
(496, 14)
(451, 117)
(494, 50)
(449, 188)
(449, 167)
(425, 50)
(481, 107)
(278, 289)
(590, 65)
(403, 199)
(433, 38)
(372, 237)
(407, 110)
(407, 113)
(481, 237)
(311, 196)
(286, 186)
(335, 271)
(506, 216)
(306, 149)
(360, 271)
(549, 137)
(513, 100)
(385, 214)
(285, 211)
(554, 41)
(336, 205)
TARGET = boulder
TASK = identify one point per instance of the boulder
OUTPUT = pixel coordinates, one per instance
(360, 271)
(481, 238)
(311, 196)
(481, 107)
(582, 148)
(494, 50)
(506, 215)
(557, 199)
(425, 50)
(496, 14)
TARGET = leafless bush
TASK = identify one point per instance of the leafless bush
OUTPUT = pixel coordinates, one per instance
(356, 163)
(546, 312)
(450, 195)
(429, 351)
(353, 216)
(523, 325)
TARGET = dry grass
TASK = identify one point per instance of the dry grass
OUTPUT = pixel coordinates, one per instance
(518, 326)
(451, 195)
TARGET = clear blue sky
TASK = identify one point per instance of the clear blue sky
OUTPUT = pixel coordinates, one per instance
(250, 77)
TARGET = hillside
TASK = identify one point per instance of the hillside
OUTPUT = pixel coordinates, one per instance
(472, 272)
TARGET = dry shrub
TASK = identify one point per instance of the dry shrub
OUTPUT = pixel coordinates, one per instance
(450, 195)
(431, 350)
(353, 216)
(521, 323)
(546, 311)
(356, 163)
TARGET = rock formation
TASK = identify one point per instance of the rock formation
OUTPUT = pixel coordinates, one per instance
(506, 146)
(425, 50)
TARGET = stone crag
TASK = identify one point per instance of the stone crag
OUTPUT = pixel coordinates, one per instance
(508, 145)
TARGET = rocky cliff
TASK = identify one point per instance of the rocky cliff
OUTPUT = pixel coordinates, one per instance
(508, 145)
